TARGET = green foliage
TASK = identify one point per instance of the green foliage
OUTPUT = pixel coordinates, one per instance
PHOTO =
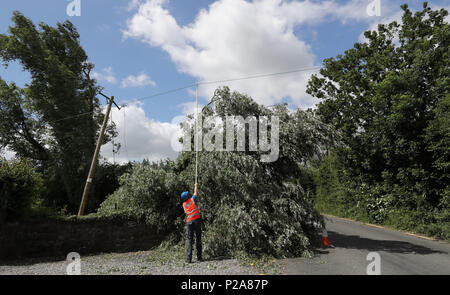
(106, 182)
(247, 206)
(338, 193)
(437, 137)
(60, 87)
(149, 193)
(389, 99)
(20, 187)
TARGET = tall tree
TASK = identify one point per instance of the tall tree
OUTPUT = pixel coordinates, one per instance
(389, 98)
(55, 119)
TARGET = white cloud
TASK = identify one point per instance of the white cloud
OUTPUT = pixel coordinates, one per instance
(190, 108)
(233, 38)
(301, 12)
(137, 81)
(238, 38)
(140, 137)
(107, 75)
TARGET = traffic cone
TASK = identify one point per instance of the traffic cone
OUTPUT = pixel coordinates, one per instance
(325, 240)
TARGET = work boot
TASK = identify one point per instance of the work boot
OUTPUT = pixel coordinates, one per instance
(188, 260)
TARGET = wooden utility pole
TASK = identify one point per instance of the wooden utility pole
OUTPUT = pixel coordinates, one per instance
(95, 159)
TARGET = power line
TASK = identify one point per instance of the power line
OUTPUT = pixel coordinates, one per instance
(229, 80)
(165, 92)
(71, 117)
(261, 76)
(83, 114)
(202, 83)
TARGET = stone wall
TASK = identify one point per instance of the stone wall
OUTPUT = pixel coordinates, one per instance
(55, 239)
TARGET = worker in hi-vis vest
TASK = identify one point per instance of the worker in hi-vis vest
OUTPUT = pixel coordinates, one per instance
(193, 221)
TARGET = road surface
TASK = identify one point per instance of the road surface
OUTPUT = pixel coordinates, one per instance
(400, 253)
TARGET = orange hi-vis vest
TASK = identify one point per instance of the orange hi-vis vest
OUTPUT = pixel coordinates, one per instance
(191, 210)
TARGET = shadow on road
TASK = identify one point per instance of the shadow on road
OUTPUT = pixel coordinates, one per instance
(357, 242)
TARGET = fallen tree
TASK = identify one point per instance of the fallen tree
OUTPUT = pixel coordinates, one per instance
(248, 206)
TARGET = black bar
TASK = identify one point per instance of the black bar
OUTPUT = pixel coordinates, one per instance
(222, 284)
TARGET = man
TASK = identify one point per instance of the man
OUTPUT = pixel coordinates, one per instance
(193, 220)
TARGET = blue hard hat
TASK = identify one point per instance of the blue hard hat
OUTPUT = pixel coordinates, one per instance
(185, 196)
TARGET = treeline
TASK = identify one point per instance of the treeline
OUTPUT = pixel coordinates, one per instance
(389, 99)
(385, 159)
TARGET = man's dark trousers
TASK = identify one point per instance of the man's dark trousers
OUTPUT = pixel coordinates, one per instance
(194, 227)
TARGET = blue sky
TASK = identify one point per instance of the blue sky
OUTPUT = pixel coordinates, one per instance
(141, 48)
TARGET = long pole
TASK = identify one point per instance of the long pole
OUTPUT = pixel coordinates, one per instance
(196, 133)
(95, 159)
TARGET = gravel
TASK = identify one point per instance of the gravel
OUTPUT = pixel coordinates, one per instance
(153, 262)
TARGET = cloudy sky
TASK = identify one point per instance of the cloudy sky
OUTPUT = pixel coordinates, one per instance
(145, 47)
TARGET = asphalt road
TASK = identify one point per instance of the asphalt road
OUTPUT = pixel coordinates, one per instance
(399, 253)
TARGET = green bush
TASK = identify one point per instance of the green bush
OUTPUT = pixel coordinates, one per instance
(20, 186)
(149, 193)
